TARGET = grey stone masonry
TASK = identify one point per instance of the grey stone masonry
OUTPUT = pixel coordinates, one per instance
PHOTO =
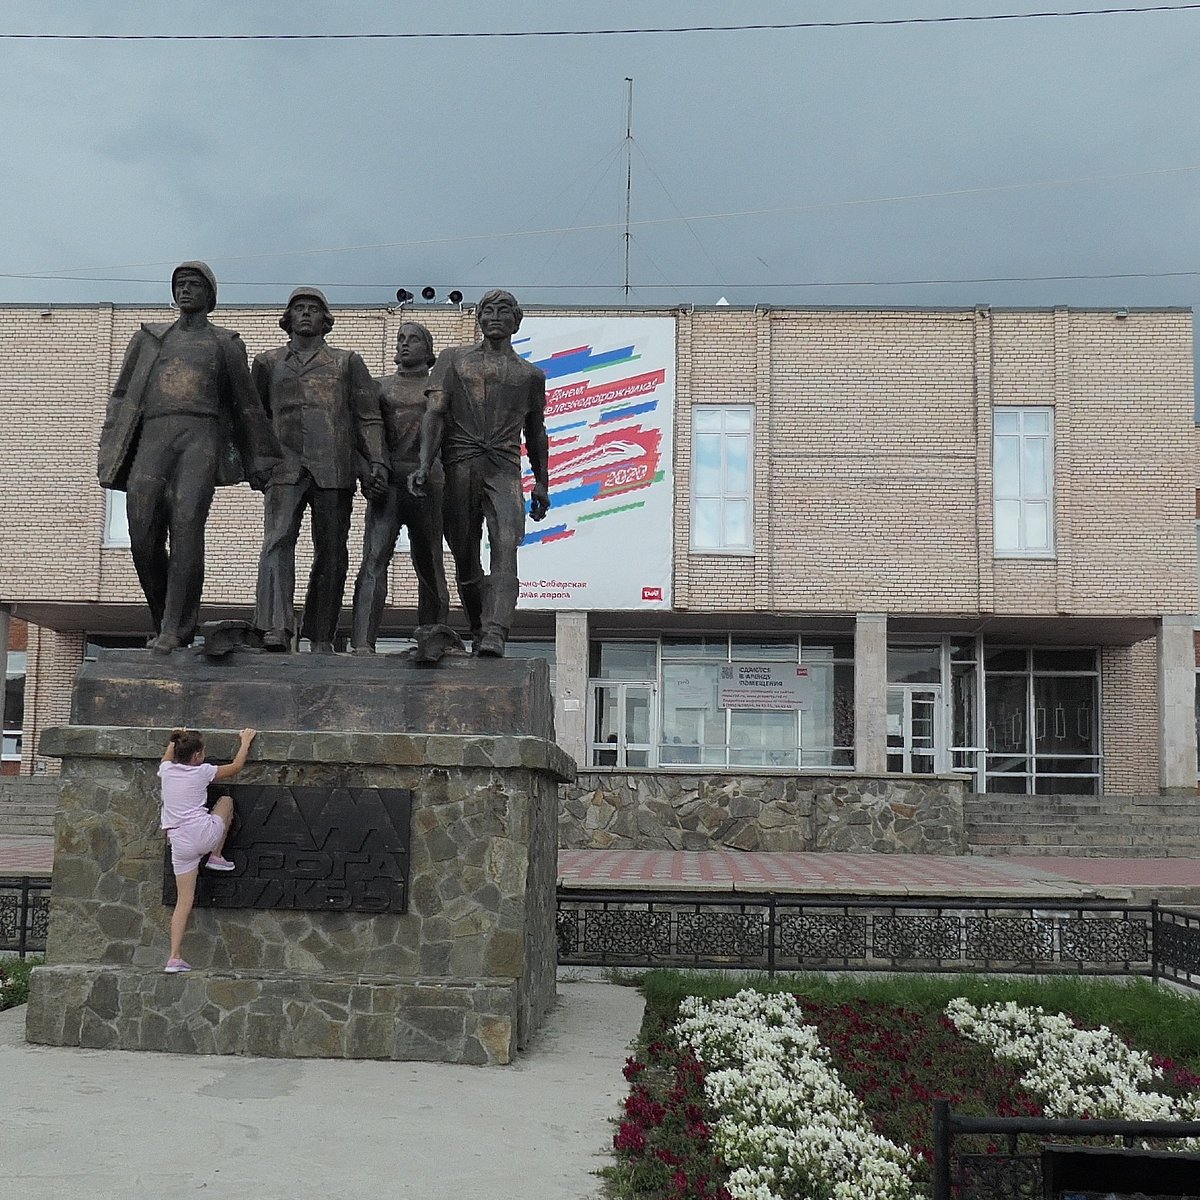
(778, 812)
(465, 975)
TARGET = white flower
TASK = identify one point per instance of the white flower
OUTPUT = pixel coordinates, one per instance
(1076, 1072)
(787, 1124)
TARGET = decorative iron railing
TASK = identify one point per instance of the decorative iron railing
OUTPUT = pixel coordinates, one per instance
(24, 914)
(1020, 1165)
(770, 933)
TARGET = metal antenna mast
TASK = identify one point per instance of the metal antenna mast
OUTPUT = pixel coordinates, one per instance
(628, 171)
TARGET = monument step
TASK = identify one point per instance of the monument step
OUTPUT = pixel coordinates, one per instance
(275, 1014)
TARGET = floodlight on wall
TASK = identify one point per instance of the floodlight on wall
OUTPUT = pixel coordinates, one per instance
(404, 295)
(455, 297)
(1121, 314)
(428, 293)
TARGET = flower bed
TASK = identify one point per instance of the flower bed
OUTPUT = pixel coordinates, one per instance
(787, 1124)
(1078, 1072)
(724, 1092)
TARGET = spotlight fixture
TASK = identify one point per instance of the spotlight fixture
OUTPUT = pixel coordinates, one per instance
(1121, 314)
(404, 295)
(455, 297)
(428, 293)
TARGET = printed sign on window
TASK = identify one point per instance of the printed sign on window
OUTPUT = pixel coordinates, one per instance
(763, 686)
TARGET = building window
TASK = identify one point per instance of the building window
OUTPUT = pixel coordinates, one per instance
(1042, 720)
(722, 475)
(659, 703)
(13, 716)
(1023, 480)
(116, 521)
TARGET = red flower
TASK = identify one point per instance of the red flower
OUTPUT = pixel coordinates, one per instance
(632, 1068)
(629, 1138)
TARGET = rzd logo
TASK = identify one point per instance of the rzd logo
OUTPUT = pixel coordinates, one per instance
(649, 593)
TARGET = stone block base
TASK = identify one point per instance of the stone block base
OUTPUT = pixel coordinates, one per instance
(275, 1014)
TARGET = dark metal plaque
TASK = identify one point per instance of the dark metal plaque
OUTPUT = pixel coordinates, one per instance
(335, 848)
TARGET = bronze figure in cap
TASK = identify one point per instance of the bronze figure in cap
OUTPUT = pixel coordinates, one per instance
(482, 398)
(183, 419)
(324, 407)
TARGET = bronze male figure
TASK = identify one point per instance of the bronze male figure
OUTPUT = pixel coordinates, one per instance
(482, 398)
(325, 410)
(403, 401)
(183, 419)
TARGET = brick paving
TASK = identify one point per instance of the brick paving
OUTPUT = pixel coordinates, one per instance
(26, 855)
(869, 874)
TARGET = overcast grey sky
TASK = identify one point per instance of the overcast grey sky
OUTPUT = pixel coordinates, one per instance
(435, 156)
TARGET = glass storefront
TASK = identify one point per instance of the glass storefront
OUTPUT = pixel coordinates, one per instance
(657, 703)
(12, 717)
(1042, 723)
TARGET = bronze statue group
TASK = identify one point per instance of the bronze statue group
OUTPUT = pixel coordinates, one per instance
(435, 447)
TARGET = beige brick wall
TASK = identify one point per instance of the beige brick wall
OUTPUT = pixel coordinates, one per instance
(1129, 717)
(873, 444)
(53, 659)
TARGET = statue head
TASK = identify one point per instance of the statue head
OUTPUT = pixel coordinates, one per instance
(313, 296)
(498, 310)
(414, 346)
(196, 271)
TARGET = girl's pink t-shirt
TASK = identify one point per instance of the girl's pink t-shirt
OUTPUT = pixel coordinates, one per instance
(184, 790)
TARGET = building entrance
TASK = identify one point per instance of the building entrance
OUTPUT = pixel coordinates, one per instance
(915, 724)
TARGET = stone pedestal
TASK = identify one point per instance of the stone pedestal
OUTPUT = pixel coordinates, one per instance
(465, 974)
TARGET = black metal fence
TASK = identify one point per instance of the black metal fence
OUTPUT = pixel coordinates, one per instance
(24, 914)
(772, 933)
(1014, 1168)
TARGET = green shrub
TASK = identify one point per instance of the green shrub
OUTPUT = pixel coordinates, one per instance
(14, 980)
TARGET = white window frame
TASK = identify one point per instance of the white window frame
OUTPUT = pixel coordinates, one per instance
(726, 493)
(116, 522)
(1025, 495)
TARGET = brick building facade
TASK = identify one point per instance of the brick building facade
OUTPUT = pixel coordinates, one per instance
(974, 527)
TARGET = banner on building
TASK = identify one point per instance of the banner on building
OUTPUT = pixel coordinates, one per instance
(763, 686)
(610, 408)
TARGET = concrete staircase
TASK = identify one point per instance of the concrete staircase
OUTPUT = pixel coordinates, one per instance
(27, 805)
(1086, 826)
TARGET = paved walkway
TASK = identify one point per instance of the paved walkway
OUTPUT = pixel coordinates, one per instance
(26, 855)
(94, 1124)
(874, 874)
(860, 874)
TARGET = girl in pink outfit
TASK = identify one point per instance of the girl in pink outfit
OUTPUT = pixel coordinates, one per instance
(191, 829)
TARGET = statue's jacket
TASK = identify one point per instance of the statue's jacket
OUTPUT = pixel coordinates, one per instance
(490, 401)
(249, 449)
(324, 410)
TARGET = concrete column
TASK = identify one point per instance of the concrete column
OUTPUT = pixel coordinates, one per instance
(870, 693)
(570, 683)
(1177, 703)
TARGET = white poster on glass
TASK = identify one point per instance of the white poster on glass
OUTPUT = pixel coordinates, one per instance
(610, 406)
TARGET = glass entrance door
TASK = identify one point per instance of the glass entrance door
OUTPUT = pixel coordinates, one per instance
(916, 745)
(623, 724)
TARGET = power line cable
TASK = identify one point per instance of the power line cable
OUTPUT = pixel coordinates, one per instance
(866, 22)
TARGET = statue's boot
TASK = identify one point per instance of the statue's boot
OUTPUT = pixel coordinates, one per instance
(500, 602)
(470, 594)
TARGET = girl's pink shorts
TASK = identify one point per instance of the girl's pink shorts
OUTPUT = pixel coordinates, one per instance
(191, 842)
